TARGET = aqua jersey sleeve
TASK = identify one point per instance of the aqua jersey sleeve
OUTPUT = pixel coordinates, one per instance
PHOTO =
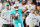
(13, 12)
(20, 10)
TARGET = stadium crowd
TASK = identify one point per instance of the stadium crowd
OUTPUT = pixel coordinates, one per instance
(20, 13)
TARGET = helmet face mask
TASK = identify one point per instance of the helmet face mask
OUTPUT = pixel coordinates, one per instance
(16, 8)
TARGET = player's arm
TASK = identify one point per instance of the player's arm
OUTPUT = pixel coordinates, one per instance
(14, 17)
(25, 9)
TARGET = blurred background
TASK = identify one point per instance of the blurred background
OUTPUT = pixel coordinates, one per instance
(30, 4)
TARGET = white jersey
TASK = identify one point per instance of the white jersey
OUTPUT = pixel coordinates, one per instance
(1, 22)
(6, 14)
(29, 6)
(30, 14)
(29, 19)
(12, 8)
(22, 7)
(33, 7)
(36, 20)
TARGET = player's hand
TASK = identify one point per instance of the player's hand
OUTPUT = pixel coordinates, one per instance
(14, 17)
(22, 18)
